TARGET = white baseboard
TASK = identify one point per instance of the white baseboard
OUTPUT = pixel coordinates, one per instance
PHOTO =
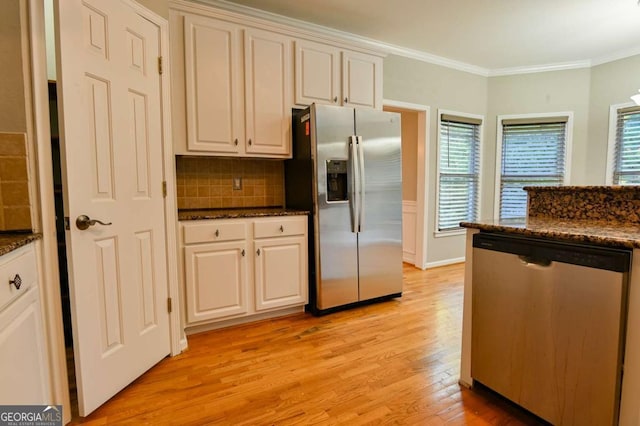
(444, 262)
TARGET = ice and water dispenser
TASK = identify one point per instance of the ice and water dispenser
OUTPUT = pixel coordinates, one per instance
(337, 189)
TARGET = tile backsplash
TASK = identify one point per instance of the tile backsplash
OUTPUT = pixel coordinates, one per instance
(207, 182)
(15, 212)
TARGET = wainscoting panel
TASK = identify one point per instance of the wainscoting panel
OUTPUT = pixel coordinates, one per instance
(409, 231)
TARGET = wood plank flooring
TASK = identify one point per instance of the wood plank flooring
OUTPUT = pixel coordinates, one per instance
(395, 362)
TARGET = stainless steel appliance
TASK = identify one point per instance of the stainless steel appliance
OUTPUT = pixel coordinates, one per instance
(548, 322)
(346, 170)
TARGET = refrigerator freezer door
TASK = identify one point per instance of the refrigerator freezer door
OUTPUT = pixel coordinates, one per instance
(337, 250)
(380, 237)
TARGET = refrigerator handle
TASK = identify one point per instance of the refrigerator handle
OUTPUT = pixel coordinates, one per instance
(355, 180)
(361, 183)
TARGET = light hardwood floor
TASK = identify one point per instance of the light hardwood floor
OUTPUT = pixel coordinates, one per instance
(395, 362)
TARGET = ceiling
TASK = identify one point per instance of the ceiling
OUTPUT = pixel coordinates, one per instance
(495, 35)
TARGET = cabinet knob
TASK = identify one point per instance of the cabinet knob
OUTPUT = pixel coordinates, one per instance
(281, 228)
(217, 233)
(258, 252)
(249, 142)
(16, 281)
(242, 252)
(235, 142)
(346, 100)
(335, 99)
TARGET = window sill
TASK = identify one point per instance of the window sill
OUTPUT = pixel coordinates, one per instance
(449, 233)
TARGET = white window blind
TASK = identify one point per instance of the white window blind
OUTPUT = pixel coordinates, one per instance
(626, 168)
(533, 154)
(459, 167)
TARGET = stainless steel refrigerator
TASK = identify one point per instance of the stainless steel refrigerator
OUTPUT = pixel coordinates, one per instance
(346, 170)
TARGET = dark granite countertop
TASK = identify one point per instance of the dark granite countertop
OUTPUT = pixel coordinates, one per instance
(198, 214)
(10, 241)
(605, 233)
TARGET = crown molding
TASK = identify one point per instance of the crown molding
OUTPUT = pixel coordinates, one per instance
(561, 66)
(242, 13)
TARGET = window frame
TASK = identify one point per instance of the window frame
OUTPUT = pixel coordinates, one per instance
(530, 116)
(457, 231)
(611, 140)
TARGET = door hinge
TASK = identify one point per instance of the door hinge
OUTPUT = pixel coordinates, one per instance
(169, 308)
(164, 188)
(159, 64)
(67, 225)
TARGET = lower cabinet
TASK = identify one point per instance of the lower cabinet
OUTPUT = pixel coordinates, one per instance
(235, 268)
(23, 363)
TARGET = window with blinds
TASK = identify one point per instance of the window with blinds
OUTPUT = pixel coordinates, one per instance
(626, 167)
(458, 171)
(533, 154)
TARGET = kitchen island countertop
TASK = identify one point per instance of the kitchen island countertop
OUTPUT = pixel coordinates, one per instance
(200, 214)
(10, 241)
(600, 232)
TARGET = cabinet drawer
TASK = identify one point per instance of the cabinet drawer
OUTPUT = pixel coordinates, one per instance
(20, 262)
(212, 231)
(280, 226)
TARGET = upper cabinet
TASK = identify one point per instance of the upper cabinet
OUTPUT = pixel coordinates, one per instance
(234, 80)
(328, 75)
(237, 89)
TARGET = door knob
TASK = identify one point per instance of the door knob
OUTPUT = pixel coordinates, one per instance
(84, 222)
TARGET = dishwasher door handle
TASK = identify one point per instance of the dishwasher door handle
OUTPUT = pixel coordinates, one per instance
(533, 262)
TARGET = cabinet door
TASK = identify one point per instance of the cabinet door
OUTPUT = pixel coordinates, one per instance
(317, 74)
(216, 280)
(23, 366)
(361, 80)
(213, 76)
(268, 93)
(280, 272)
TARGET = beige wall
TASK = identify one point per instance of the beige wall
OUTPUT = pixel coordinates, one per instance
(409, 153)
(438, 87)
(12, 100)
(537, 93)
(161, 7)
(611, 83)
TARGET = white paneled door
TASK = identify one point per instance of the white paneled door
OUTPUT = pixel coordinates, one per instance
(111, 133)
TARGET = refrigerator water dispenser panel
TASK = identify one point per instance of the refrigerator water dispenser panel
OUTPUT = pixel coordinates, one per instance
(337, 180)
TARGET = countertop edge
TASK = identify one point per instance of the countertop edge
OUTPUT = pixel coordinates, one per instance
(608, 241)
(10, 242)
(237, 214)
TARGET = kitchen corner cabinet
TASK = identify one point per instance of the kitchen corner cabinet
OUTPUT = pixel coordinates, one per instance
(237, 88)
(23, 363)
(328, 75)
(236, 268)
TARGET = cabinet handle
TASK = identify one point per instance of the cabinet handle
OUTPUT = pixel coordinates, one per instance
(235, 142)
(217, 233)
(242, 252)
(281, 228)
(346, 100)
(16, 281)
(249, 142)
(258, 252)
(335, 99)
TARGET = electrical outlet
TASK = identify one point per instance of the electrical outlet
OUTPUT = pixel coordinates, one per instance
(237, 183)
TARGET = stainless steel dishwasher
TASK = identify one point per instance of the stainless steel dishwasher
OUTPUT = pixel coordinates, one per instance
(548, 324)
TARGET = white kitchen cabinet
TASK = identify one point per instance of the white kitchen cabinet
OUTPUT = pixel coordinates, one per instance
(280, 264)
(238, 268)
(214, 79)
(23, 362)
(267, 58)
(328, 75)
(361, 80)
(238, 86)
(216, 272)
